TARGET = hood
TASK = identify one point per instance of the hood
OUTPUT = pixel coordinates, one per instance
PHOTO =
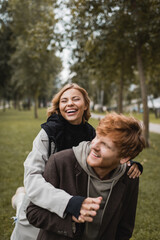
(81, 152)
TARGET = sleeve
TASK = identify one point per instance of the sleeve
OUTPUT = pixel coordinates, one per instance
(35, 185)
(139, 165)
(74, 205)
(44, 219)
(126, 224)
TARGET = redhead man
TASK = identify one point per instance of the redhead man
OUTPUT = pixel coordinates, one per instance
(97, 172)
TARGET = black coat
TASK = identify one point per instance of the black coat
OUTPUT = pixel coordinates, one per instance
(64, 172)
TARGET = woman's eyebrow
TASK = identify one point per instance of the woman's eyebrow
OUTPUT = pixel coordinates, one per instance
(63, 98)
(75, 96)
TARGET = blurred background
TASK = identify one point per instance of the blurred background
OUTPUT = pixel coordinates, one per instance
(111, 48)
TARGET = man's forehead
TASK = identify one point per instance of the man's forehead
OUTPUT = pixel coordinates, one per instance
(104, 137)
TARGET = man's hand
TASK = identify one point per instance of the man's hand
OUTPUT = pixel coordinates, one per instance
(88, 210)
(133, 172)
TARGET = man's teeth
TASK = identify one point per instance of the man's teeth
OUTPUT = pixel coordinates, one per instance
(95, 154)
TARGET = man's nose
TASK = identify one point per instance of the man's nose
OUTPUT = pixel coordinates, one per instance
(95, 143)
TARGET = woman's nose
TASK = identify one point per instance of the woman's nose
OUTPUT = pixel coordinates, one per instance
(70, 102)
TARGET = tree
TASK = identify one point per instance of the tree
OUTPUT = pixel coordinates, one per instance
(6, 50)
(114, 39)
(34, 62)
(100, 48)
(144, 23)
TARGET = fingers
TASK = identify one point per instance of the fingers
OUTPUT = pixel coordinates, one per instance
(92, 200)
(128, 163)
(89, 209)
(75, 219)
(83, 219)
(90, 204)
(85, 213)
(134, 171)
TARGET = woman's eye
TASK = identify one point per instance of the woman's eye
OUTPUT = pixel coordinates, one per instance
(76, 99)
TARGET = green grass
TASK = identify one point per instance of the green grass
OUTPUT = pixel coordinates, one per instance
(147, 217)
(139, 116)
(17, 131)
(152, 117)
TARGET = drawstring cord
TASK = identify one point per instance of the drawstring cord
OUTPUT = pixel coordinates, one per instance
(14, 220)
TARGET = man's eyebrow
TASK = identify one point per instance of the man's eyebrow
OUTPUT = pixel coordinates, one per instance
(106, 144)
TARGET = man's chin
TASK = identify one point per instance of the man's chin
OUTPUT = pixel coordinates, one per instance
(91, 162)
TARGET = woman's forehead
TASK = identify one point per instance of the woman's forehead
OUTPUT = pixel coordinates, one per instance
(71, 92)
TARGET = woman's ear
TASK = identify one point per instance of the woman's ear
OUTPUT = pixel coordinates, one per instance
(124, 160)
(85, 108)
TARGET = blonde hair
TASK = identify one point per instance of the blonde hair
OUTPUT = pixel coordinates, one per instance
(125, 132)
(55, 101)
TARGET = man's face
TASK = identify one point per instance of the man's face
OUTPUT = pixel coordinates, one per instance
(103, 155)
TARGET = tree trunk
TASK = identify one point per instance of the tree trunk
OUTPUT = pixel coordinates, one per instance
(100, 99)
(153, 107)
(9, 104)
(4, 105)
(120, 95)
(19, 105)
(144, 95)
(36, 105)
(121, 86)
(29, 104)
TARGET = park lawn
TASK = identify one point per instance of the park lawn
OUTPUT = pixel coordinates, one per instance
(152, 117)
(139, 116)
(17, 131)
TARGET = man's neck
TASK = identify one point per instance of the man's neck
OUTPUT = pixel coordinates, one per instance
(104, 174)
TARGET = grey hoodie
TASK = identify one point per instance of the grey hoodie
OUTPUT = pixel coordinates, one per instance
(96, 187)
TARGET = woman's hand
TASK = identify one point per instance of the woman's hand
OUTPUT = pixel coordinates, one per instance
(88, 210)
(133, 171)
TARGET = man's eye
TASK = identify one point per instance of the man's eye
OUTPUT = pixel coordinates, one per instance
(106, 145)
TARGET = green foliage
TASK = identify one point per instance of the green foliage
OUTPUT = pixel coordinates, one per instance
(113, 40)
(107, 34)
(18, 129)
(34, 63)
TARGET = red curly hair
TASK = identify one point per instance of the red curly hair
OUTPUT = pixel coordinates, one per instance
(125, 132)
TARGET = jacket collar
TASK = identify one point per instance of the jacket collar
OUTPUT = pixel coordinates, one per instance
(81, 180)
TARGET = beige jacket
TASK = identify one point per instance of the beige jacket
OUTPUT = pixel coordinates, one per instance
(37, 189)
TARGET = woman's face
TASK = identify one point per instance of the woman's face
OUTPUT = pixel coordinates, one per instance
(72, 106)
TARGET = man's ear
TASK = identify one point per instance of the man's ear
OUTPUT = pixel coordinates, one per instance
(124, 160)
